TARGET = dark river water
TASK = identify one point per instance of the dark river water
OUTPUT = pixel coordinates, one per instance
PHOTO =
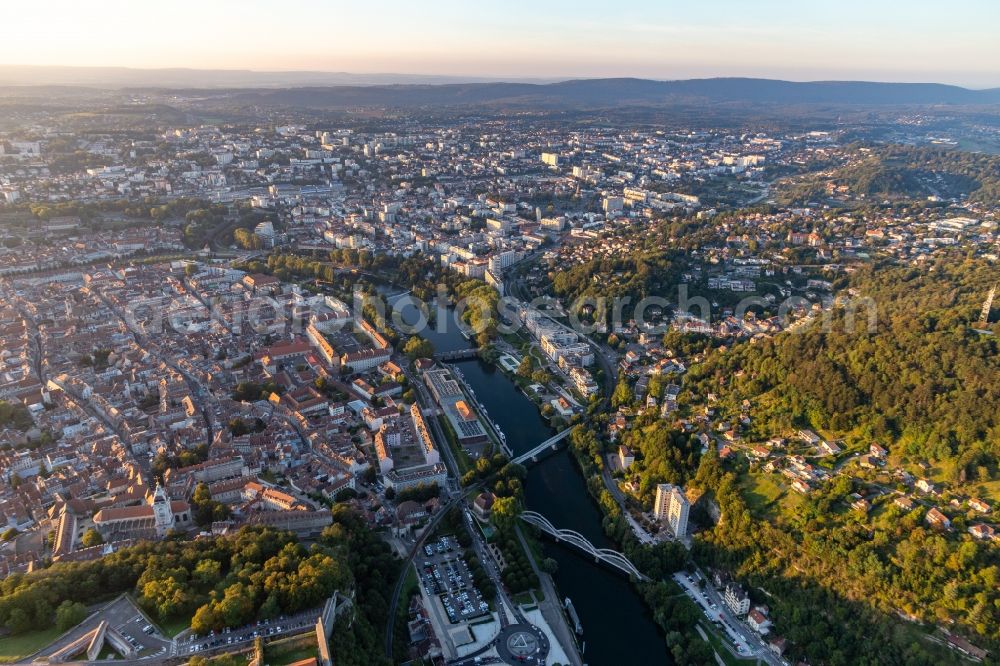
(617, 627)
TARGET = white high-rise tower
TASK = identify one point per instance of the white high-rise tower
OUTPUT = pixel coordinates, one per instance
(672, 507)
(677, 516)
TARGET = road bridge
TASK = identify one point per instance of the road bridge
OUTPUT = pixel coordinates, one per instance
(549, 443)
(457, 354)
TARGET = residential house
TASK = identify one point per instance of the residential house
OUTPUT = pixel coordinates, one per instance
(983, 531)
(758, 622)
(937, 519)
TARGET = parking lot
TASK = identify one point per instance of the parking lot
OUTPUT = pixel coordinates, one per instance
(295, 624)
(125, 618)
(445, 574)
(141, 634)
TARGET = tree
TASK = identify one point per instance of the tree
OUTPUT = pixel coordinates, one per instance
(222, 581)
(623, 393)
(207, 573)
(271, 608)
(205, 509)
(15, 415)
(655, 387)
(69, 614)
(418, 347)
(19, 621)
(505, 512)
(92, 538)
(236, 607)
(247, 239)
(205, 619)
(526, 367)
(238, 427)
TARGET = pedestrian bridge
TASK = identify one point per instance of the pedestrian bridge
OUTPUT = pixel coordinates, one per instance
(612, 557)
(549, 443)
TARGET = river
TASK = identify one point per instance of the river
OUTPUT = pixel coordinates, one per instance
(617, 627)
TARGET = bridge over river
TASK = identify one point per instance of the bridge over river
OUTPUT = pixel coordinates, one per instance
(551, 442)
(612, 557)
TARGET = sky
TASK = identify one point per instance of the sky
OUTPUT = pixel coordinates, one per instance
(887, 40)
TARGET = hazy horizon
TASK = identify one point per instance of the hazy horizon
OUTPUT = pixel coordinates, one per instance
(389, 77)
(850, 40)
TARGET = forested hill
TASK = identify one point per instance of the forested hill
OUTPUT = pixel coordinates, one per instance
(340, 89)
(923, 381)
(318, 91)
(605, 93)
(924, 385)
(907, 172)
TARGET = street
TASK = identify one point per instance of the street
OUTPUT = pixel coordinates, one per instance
(748, 643)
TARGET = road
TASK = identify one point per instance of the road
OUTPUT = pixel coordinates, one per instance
(390, 626)
(240, 637)
(490, 566)
(607, 360)
(454, 495)
(749, 642)
(605, 357)
(458, 498)
(551, 608)
(518, 641)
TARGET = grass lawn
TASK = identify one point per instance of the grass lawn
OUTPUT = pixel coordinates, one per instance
(991, 491)
(523, 598)
(15, 648)
(411, 585)
(290, 650)
(715, 639)
(535, 548)
(175, 626)
(791, 503)
(291, 656)
(241, 659)
(515, 340)
(461, 457)
(719, 644)
(761, 491)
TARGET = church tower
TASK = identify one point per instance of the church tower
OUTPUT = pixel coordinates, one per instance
(163, 515)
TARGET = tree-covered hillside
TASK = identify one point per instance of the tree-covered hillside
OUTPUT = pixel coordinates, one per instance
(841, 587)
(925, 385)
(904, 172)
(923, 380)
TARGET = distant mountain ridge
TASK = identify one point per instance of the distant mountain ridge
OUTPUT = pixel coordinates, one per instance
(180, 77)
(340, 89)
(616, 92)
